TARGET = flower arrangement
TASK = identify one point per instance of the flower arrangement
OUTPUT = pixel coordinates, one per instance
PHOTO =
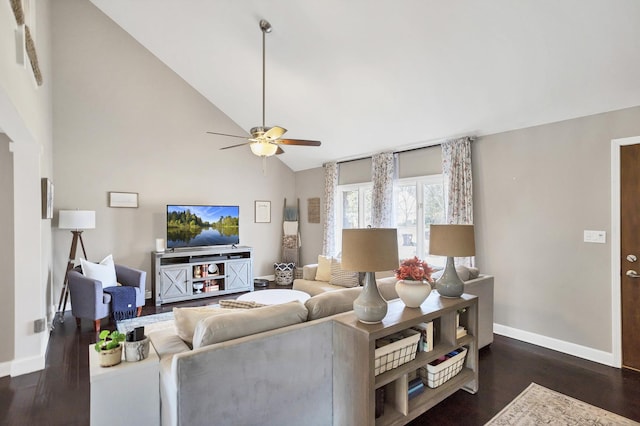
(415, 270)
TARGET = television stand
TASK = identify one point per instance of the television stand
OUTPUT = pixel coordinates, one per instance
(203, 272)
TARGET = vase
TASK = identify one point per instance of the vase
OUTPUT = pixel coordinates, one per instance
(413, 293)
(136, 351)
(110, 357)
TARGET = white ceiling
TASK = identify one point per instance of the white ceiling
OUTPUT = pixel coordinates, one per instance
(363, 76)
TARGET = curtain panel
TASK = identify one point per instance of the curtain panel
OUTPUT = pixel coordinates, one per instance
(382, 176)
(456, 166)
(331, 172)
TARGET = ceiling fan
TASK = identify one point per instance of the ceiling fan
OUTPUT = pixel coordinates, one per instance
(265, 141)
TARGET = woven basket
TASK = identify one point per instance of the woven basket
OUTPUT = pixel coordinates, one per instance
(397, 353)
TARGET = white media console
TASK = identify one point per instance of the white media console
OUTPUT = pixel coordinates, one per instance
(204, 272)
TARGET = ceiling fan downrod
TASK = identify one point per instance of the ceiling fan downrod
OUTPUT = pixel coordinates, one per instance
(265, 26)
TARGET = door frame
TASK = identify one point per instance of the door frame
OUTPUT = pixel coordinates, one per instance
(616, 305)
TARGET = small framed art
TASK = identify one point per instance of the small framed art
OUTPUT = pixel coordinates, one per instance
(123, 199)
(263, 211)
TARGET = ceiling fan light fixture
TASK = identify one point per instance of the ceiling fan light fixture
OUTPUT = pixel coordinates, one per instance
(263, 149)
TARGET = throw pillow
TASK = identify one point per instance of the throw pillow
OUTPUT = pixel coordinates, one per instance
(105, 271)
(341, 277)
(246, 322)
(240, 304)
(324, 269)
(186, 319)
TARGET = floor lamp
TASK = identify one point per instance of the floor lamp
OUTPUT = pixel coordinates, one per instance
(77, 221)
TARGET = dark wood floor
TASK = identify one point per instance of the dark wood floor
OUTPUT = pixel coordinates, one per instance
(59, 394)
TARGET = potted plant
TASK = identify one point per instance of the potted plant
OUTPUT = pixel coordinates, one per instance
(414, 281)
(109, 348)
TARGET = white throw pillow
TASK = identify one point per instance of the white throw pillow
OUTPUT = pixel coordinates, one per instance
(105, 271)
(324, 269)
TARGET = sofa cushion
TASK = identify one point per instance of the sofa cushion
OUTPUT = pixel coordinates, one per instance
(240, 323)
(332, 302)
(323, 273)
(186, 319)
(312, 287)
(342, 277)
(105, 271)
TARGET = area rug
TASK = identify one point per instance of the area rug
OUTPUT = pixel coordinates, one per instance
(538, 405)
(127, 325)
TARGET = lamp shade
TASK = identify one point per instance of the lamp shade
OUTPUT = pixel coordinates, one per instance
(263, 149)
(77, 219)
(452, 240)
(370, 249)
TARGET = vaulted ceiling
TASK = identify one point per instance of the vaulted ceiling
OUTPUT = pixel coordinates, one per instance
(364, 76)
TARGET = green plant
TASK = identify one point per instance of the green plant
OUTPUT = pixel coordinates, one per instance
(109, 340)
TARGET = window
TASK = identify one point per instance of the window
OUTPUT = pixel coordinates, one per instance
(354, 208)
(418, 202)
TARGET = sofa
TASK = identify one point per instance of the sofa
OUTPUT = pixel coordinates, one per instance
(270, 365)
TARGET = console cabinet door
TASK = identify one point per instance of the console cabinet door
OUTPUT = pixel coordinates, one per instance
(238, 274)
(174, 282)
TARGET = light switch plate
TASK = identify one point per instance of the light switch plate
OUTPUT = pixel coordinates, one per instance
(595, 236)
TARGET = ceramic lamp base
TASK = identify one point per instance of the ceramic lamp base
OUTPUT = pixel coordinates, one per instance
(450, 284)
(370, 307)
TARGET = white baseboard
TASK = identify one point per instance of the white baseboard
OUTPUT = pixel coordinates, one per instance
(580, 351)
(28, 365)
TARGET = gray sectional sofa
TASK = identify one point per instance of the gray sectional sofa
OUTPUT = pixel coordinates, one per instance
(270, 365)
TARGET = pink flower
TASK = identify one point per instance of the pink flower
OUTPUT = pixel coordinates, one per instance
(414, 269)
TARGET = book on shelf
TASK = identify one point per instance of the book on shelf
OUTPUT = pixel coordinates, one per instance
(379, 402)
(461, 332)
(416, 387)
(426, 339)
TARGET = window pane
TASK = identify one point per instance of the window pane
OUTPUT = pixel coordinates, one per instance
(406, 220)
(433, 213)
(349, 209)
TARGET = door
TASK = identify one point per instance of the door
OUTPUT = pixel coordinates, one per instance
(630, 254)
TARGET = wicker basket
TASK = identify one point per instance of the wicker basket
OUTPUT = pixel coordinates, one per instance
(398, 352)
(284, 273)
(435, 375)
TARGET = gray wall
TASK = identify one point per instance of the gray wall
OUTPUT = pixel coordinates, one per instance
(536, 190)
(6, 260)
(126, 122)
(310, 184)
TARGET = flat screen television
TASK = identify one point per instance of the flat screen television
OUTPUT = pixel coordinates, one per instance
(202, 226)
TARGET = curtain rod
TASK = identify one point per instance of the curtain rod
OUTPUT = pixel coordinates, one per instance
(471, 139)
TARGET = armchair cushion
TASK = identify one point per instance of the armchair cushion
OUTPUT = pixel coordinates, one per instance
(105, 271)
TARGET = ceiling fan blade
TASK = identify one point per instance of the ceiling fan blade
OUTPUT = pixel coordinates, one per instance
(302, 142)
(224, 134)
(234, 146)
(279, 151)
(274, 133)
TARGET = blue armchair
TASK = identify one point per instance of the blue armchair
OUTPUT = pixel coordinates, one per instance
(89, 302)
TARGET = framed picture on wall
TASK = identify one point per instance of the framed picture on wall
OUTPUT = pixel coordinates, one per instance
(47, 198)
(263, 212)
(123, 199)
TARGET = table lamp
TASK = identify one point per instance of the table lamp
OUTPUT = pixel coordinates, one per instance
(77, 221)
(370, 250)
(451, 241)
